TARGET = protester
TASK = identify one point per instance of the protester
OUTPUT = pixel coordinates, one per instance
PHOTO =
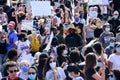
(109, 49)
(35, 40)
(3, 19)
(23, 72)
(90, 72)
(74, 72)
(88, 31)
(23, 45)
(12, 35)
(62, 58)
(75, 37)
(32, 74)
(114, 22)
(114, 59)
(12, 56)
(12, 69)
(106, 35)
(53, 71)
(3, 51)
(67, 31)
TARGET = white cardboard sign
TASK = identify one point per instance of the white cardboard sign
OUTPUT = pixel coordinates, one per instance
(40, 8)
(27, 25)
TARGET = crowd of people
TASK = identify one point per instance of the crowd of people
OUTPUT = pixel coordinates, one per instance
(78, 41)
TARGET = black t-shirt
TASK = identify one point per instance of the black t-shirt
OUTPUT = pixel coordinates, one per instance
(3, 47)
(88, 74)
(116, 4)
(97, 32)
(80, 26)
(62, 59)
(115, 24)
(10, 18)
(73, 40)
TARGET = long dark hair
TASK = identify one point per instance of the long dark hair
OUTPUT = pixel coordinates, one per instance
(60, 49)
(91, 61)
(33, 67)
(42, 59)
(98, 48)
(47, 66)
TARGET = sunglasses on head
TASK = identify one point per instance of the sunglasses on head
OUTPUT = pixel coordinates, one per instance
(52, 61)
(31, 73)
(11, 71)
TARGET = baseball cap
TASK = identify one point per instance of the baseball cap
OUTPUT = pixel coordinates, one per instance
(12, 23)
(116, 12)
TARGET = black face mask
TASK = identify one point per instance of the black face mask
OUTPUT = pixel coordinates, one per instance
(25, 39)
(58, 15)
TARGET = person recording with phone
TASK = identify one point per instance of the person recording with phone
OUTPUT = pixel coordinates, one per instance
(3, 42)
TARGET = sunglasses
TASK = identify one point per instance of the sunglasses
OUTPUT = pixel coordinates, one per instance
(52, 61)
(11, 71)
(32, 73)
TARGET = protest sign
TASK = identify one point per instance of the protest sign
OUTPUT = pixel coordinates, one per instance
(94, 2)
(27, 25)
(40, 8)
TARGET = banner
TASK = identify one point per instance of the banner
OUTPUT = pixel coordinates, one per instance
(40, 8)
(27, 25)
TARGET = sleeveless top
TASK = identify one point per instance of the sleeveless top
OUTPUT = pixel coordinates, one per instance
(89, 32)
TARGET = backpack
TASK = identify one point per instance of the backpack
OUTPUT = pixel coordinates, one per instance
(35, 43)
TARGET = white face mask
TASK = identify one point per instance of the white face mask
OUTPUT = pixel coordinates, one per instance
(33, 32)
(107, 29)
(115, 16)
(65, 52)
(53, 65)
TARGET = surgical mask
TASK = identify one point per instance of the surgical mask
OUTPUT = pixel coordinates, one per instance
(25, 39)
(112, 78)
(53, 65)
(24, 68)
(70, 76)
(77, 19)
(115, 16)
(33, 32)
(118, 49)
(107, 29)
(32, 76)
(99, 64)
(112, 44)
(65, 52)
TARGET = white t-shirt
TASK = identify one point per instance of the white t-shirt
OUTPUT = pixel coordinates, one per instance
(3, 18)
(23, 47)
(27, 57)
(0, 76)
(22, 75)
(115, 59)
(60, 73)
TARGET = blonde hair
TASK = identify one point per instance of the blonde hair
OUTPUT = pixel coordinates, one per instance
(24, 62)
